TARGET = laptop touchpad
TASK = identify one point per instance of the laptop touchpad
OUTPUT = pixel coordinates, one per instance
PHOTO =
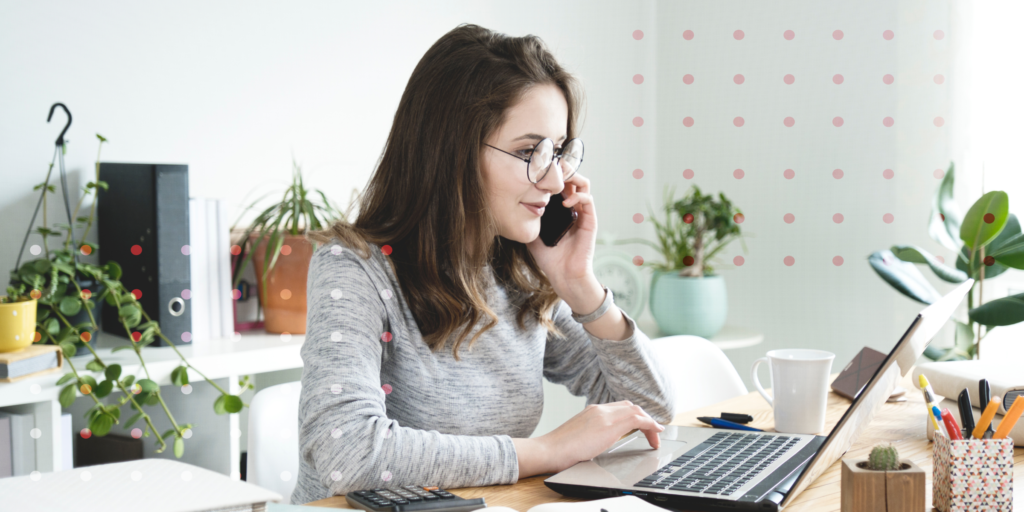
(635, 459)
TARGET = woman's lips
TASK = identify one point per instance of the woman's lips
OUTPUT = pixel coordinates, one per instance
(537, 211)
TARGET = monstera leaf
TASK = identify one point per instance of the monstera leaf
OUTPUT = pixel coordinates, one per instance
(904, 276)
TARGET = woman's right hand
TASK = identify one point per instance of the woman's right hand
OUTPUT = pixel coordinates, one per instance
(594, 430)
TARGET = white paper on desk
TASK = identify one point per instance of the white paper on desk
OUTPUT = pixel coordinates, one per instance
(152, 485)
(616, 504)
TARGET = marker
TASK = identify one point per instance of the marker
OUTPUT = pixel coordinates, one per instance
(937, 416)
(951, 427)
(1010, 419)
(720, 423)
(986, 418)
(929, 398)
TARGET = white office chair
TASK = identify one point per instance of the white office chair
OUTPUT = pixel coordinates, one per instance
(701, 372)
(273, 453)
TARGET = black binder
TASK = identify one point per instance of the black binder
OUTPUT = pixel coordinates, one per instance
(147, 205)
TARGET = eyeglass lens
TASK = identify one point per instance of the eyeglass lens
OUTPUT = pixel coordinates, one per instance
(543, 154)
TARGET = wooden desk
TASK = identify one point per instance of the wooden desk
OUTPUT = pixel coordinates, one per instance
(901, 423)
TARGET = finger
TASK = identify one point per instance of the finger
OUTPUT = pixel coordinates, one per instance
(580, 198)
(650, 428)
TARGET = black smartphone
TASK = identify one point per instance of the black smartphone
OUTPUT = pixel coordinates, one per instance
(556, 221)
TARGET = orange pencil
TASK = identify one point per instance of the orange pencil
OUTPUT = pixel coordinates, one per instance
(986, 418)
(1010, 419)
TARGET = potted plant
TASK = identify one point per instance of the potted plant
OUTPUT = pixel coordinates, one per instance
(17, 319)
(687, 297)
(882, 482)
(988, 240)
(276, 242)
(52, 282)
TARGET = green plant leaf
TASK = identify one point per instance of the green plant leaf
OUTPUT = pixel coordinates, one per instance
(112, 269)
(975, 231)
(70, 306)
(903, 276)
(179, 447)
(68, 348)
(122, 347)
(934, 353)
(100, 425)
(52, 325)
(964, 337)
(227, 404)
(152, 399)
(991, 271)
(65, 378)
(42, 265)
(915, 254)
(148, 385)
(179, 376)
(946, 218)
(67, 395)
(95, 366)
(88, 379)
(1008, 247)
(132, 420)
(113, 372)
(127, 381)
(104, 388)
(1004, 311)
(167, 433)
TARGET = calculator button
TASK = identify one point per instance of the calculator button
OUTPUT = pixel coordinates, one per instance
(361, 493)
(430, 498)
(414, 498)
(430, 488)
(401, 501)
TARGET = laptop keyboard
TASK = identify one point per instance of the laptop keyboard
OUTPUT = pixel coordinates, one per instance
(721, 464)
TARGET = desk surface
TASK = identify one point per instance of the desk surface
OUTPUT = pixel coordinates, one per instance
(900, 423)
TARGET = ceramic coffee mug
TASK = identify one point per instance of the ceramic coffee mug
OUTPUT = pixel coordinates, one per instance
(799, 379)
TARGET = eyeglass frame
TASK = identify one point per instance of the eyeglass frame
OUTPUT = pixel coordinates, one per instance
(554, 157)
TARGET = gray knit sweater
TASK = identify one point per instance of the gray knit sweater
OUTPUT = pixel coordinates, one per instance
(378, 409)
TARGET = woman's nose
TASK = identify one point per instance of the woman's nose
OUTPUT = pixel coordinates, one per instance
(553, 179)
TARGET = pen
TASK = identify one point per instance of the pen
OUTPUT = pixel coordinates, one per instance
(938, 416)
(1010, 419)
(737, 418)
(929, 397)
(951, 427)
(985, 395)
(966, 411)
(986, 418)
(720, 423)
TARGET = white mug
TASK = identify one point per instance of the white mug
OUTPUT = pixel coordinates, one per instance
(799, 379)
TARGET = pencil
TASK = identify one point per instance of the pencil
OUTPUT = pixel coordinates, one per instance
(986, 418)
(1010, 419)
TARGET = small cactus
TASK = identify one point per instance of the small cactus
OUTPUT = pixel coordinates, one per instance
(884, 458)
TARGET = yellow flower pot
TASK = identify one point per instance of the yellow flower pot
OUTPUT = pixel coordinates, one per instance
(17, 325)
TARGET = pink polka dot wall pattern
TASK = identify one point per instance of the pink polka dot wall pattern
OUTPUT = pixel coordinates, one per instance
(738, 121)
(637, 173)
(837, 35)
(687, 79)
(888, 35)
(638, 218)
(638, 79)
(688, 35)
(939, 35)
(737, 35)
(638, 34)
(939, 79)
(837, 121)
(738, 174)
(688, 174)
(638, 121)
(687, 121)
(837, 174)
(939, 121)
(938, 174)
(837, 261)
(738, 79)
(789, 35)
(789, 261)
(789, 79)
(788, 122)
(837, 218)
(789, 174)
(837, 79)
(888, 122)
(888, 79)
(788, 218)
(888, 174)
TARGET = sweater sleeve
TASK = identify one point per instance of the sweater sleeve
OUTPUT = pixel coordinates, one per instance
(345, 433)
(609, 371)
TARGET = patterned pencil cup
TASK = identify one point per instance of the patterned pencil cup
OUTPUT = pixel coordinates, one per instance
(975, 475)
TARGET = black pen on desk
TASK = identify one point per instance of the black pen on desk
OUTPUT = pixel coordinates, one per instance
(985, 395)
(720, 423)
(966, 411)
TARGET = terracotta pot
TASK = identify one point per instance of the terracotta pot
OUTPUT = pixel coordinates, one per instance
(284, 310)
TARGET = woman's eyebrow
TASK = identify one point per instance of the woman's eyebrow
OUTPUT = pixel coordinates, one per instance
(534, 136)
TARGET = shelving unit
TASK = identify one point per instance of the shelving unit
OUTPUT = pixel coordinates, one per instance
(216, 443)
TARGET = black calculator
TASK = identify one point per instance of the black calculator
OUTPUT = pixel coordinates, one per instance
(412, 498)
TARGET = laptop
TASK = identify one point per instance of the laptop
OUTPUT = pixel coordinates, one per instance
(698, 468)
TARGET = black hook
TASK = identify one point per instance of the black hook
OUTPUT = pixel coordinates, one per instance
(60, 138)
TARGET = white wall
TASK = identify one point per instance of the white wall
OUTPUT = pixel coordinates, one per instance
(234, 89)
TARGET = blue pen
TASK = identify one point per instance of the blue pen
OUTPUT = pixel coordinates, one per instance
(937, 414)
(720, 423)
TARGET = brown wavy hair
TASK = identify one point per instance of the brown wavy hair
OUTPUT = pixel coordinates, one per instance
(426, 198)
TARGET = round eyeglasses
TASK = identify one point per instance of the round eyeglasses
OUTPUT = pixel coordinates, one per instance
(540, 157)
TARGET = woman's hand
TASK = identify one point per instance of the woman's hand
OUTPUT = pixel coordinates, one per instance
(570, 264)
(589, 433)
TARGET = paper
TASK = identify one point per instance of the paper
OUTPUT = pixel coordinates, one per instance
(617, 504)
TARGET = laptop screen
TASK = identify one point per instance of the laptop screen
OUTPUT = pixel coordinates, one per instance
(905, 354)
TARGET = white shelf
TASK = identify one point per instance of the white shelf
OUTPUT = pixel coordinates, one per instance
(215, 441)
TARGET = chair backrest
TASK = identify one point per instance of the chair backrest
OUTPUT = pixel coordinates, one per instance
(700, 371)
(272, 461)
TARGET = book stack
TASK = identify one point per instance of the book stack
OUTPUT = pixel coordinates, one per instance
(210, 266)
(33, 360)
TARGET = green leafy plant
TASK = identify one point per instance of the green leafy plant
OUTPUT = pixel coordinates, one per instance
(884, 458)
(297, 212)
(696, 227)
(987, 240)
(54, 279)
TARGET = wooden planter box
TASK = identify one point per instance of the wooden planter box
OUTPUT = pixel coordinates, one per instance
(864, 490)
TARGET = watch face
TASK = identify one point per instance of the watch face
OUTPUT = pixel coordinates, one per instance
(623, 285)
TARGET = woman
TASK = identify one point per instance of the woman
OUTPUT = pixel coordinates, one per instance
(444, 239)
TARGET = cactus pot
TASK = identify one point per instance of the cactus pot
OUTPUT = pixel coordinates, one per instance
(688, 305)
(865, 490)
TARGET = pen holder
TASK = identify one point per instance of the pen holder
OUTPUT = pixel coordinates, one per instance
(974, 474)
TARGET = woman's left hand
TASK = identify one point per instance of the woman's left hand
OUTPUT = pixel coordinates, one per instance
(569, 264)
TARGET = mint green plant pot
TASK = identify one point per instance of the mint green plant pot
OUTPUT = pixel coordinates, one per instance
(688, 305)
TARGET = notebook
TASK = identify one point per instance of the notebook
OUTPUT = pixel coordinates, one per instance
(153, 485)
(33, 360)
